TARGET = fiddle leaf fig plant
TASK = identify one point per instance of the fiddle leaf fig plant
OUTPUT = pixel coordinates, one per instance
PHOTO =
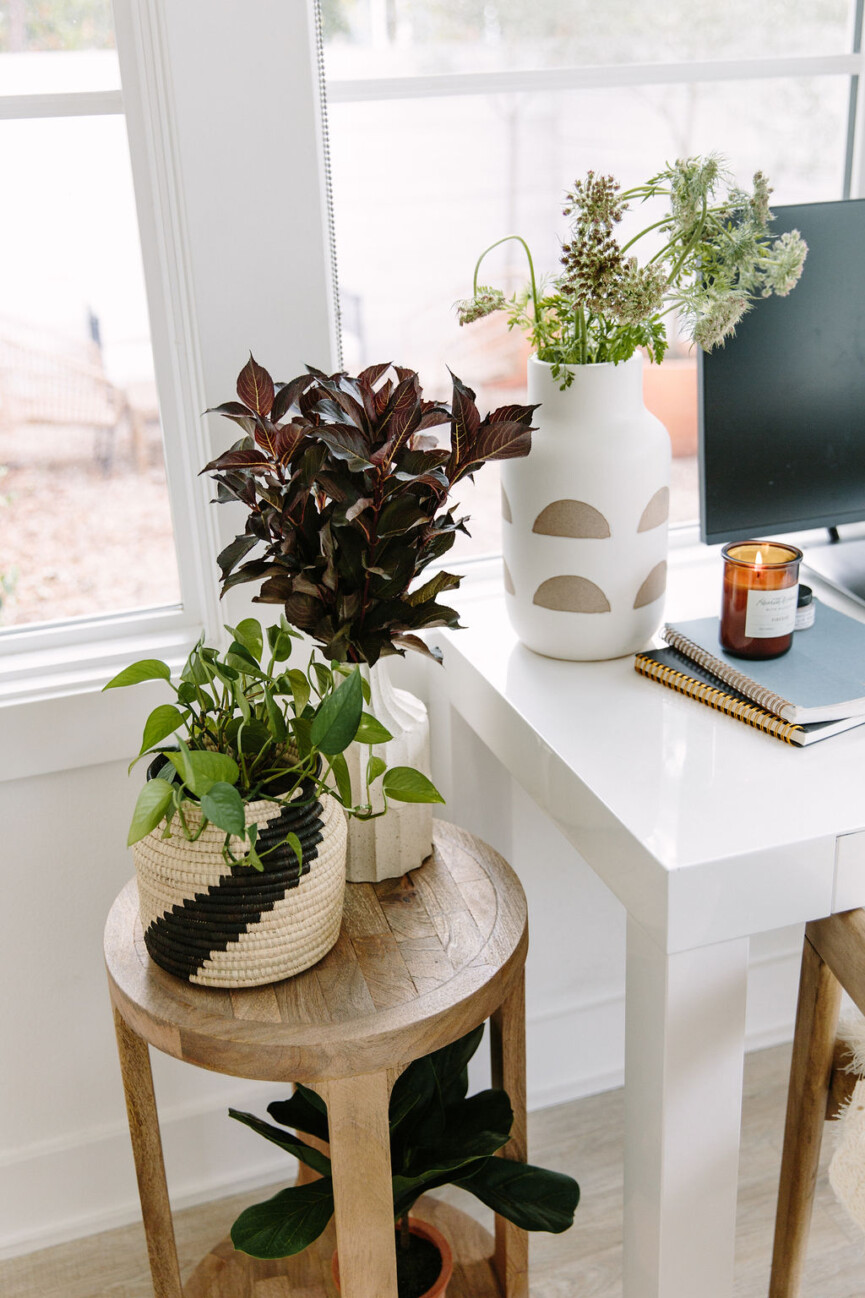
(245, 726)
(345, 484)
(438, 1137)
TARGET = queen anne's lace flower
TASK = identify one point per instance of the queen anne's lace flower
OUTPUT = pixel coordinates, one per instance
(484, 302)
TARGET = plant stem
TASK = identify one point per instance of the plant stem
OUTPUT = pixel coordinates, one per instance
(519, 239)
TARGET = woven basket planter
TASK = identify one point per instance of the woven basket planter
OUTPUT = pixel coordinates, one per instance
(240, 927)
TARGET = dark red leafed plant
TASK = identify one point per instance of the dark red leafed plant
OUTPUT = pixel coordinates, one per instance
(346, 487)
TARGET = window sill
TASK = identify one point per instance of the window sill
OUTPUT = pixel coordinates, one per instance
(53, 714)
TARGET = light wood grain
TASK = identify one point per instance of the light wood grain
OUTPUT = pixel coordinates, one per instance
(363, 1199)
(810, 1076)
(419, 962)
(583, 1138)
(149, 1165)
(508, 1059)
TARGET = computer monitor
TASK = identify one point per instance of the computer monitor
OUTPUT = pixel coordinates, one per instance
(782, 405)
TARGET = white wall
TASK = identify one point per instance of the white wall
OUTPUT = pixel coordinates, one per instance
(65, 1163)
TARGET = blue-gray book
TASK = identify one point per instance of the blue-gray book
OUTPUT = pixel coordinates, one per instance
(820, 678)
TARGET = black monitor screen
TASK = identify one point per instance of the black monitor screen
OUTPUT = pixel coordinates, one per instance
(782, 406)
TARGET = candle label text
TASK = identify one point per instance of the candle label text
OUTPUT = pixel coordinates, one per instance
(771, 613)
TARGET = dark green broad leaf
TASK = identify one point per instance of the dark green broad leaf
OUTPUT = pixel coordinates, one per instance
(451, 1063)
(153, 802)
(275, 718)
(223, 805)
(339, 766)
(249, 634)
(305, 1110)
(533, 1198)
(239, 656)
(337, 719)
(473, 1128)
(375, 767)
(371, 731)
(279, 640)
(285, 1140)
(148, 669)
(200, 770)
(405, 784)
(162, 722)
(286, 1224)
(400, 515)
(299, 688)
(255, 387)
(248, 736)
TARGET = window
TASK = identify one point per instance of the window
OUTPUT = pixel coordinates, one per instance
(453, 123)
(84, 510)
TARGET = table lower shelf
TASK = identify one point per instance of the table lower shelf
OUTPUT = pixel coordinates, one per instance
(224, 1273)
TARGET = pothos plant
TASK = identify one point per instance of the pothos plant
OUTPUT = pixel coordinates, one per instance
(716, 256)
(245, 726)
(345, 484)
(438, 1137)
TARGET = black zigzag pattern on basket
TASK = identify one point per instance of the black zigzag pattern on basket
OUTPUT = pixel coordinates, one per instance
(182, 939)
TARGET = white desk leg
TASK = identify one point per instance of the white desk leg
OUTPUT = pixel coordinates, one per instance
(684, 1052)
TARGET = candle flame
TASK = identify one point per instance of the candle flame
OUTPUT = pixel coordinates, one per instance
(759, 558)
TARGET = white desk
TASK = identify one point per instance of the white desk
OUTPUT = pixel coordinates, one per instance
(707, 832)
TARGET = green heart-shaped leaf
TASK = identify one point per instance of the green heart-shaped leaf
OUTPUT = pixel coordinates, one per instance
(153, 802)
(148, 669)
(405, 784)
(223, 805)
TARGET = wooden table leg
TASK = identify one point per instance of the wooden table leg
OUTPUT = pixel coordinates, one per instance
(810, 1075)
(363, 1196)
(508, 1056)
(149, 1165)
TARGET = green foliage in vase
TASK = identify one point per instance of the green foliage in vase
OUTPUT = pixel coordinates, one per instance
(245, 726)
(345, 488)
(438, 1137)
(717, 256)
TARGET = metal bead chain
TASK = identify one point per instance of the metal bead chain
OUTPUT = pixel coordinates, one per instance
(328, 181)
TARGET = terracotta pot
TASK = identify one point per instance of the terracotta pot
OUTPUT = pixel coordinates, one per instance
(424, 1231)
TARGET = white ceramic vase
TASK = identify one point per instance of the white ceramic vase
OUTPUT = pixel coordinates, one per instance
(390, 845)
(585, 516)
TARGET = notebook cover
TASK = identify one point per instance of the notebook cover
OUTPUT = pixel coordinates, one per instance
(821, 677)
(678, 673)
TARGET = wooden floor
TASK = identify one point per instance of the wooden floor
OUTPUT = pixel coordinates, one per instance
(583, 1138)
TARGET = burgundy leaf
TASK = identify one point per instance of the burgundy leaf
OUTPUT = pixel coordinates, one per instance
(506, 441)
(288, 394)
(434, 416)
(287, 438)
(345, 442)
(373, 373)
(466, 421)
(402, 414)
(238, 459)
(507, 414)
(255, 387)
(381, 398)
(231, 410)
(357, 508)
(405, 640)
(302, 610)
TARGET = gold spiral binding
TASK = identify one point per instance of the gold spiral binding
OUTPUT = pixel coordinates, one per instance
(741, 709)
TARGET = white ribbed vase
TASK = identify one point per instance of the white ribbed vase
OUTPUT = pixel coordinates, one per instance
(585, 516)
(390, 845)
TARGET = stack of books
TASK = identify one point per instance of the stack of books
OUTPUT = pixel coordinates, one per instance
(815, 690)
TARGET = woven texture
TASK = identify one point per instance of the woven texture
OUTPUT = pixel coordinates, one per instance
(240, 927)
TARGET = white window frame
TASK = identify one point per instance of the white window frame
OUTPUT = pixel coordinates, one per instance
(221, 101)
(222, 109)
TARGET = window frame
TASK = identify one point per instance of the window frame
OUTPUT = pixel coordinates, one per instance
(213, 92)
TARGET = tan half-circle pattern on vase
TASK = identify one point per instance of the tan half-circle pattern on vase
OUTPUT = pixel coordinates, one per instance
(571, 518)
(657, 511)
(653, 587)
(509, 581)
(506, 507)
(571, 594)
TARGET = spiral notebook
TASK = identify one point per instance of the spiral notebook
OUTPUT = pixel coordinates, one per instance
(821, 678)
(677, 672)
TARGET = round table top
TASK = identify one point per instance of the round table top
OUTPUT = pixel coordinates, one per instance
(420, 961)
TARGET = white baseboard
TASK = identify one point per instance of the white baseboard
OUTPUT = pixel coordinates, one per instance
(61, 1190)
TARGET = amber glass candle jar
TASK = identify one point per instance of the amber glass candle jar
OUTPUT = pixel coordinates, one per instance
(758, 607)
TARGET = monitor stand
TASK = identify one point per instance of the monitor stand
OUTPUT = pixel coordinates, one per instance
(841, 564)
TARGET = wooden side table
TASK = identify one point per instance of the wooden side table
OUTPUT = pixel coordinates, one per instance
(420, 961)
